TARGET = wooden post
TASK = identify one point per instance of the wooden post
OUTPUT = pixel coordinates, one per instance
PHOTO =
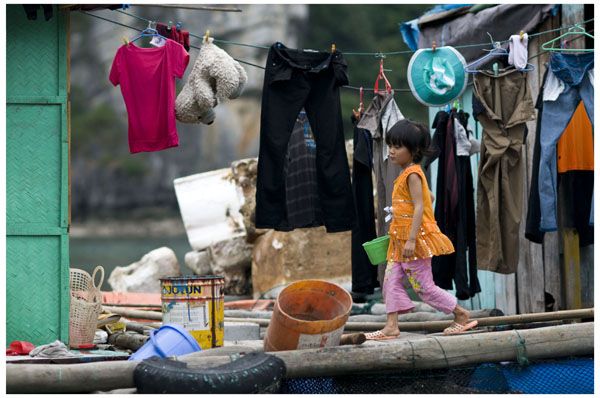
(571, 14)
(571, 266)
(586, 255)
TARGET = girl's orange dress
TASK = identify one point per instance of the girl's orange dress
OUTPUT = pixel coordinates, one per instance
(430, 241)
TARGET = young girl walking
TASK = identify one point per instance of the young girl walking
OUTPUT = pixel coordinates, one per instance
(414, 236)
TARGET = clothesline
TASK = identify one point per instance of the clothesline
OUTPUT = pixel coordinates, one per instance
(377, 54)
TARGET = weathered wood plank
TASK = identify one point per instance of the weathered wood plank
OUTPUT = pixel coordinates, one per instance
(506, 293)
(552, 269)
(586, 255)
(571, 264)
(551, 248)
(530, 287)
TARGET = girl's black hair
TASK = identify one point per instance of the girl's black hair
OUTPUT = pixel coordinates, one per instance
(412, 135)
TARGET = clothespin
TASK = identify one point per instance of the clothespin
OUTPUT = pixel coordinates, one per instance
(125, 40)
(433, 46)
(357, 114)
(361, 108)
(170, 24)
(178, 26)
(521, 33)
(333, 47)
(206, 36)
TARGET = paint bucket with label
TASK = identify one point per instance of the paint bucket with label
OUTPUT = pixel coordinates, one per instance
(308, 314)
(197, 304)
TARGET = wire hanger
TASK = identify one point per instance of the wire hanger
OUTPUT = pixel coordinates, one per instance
(576, 30)
(148, 32)
(495, 53)
(381, 76)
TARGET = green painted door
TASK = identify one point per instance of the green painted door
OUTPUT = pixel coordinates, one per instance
(37, 158)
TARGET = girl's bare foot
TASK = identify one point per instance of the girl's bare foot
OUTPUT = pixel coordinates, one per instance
(461, 316)
(389, 331)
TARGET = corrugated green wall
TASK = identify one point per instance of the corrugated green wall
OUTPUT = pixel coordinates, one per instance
(37, 251)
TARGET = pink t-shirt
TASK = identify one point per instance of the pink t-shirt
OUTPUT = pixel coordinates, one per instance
(147, 79)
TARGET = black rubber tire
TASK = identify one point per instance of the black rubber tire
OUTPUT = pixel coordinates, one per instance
(254, 373)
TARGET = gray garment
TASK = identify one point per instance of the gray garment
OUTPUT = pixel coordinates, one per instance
(469, 28)
(379, 117)
(57, 349)
(463, 145)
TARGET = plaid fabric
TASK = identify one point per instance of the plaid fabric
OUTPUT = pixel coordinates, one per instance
(302, 197)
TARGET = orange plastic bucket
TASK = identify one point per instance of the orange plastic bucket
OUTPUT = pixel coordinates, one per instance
(308, 314)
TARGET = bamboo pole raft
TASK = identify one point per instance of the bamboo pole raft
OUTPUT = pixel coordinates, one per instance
(429, 326)
(425, 352)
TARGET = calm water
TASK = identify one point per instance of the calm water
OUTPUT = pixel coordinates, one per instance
(87, 253)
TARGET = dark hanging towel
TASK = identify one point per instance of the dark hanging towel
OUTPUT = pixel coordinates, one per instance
(454, 209)
(364, 274)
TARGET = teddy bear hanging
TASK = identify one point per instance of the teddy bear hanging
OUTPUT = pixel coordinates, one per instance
(215, 77)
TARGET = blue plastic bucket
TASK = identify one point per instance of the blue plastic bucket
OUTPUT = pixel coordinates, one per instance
(169, 340)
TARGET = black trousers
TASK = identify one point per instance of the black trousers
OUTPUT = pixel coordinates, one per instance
(296, 79)
(364, 274)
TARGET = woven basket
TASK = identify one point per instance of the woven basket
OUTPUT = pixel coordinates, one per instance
(86, 306)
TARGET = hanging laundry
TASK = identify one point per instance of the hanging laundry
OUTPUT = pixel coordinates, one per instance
(179, 35)
(507, 106)
(300, 169)
(380, 116)
(147, 79)
(364, 275)
(215, 77)
(295, 79)
(573, 72)
(575, 150)
(575, 167)
(532, 226)
(576, 174)
(455, 204)
(517, 47)
(576, 189)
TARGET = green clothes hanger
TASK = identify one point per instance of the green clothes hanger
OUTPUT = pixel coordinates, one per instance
(576, 30)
